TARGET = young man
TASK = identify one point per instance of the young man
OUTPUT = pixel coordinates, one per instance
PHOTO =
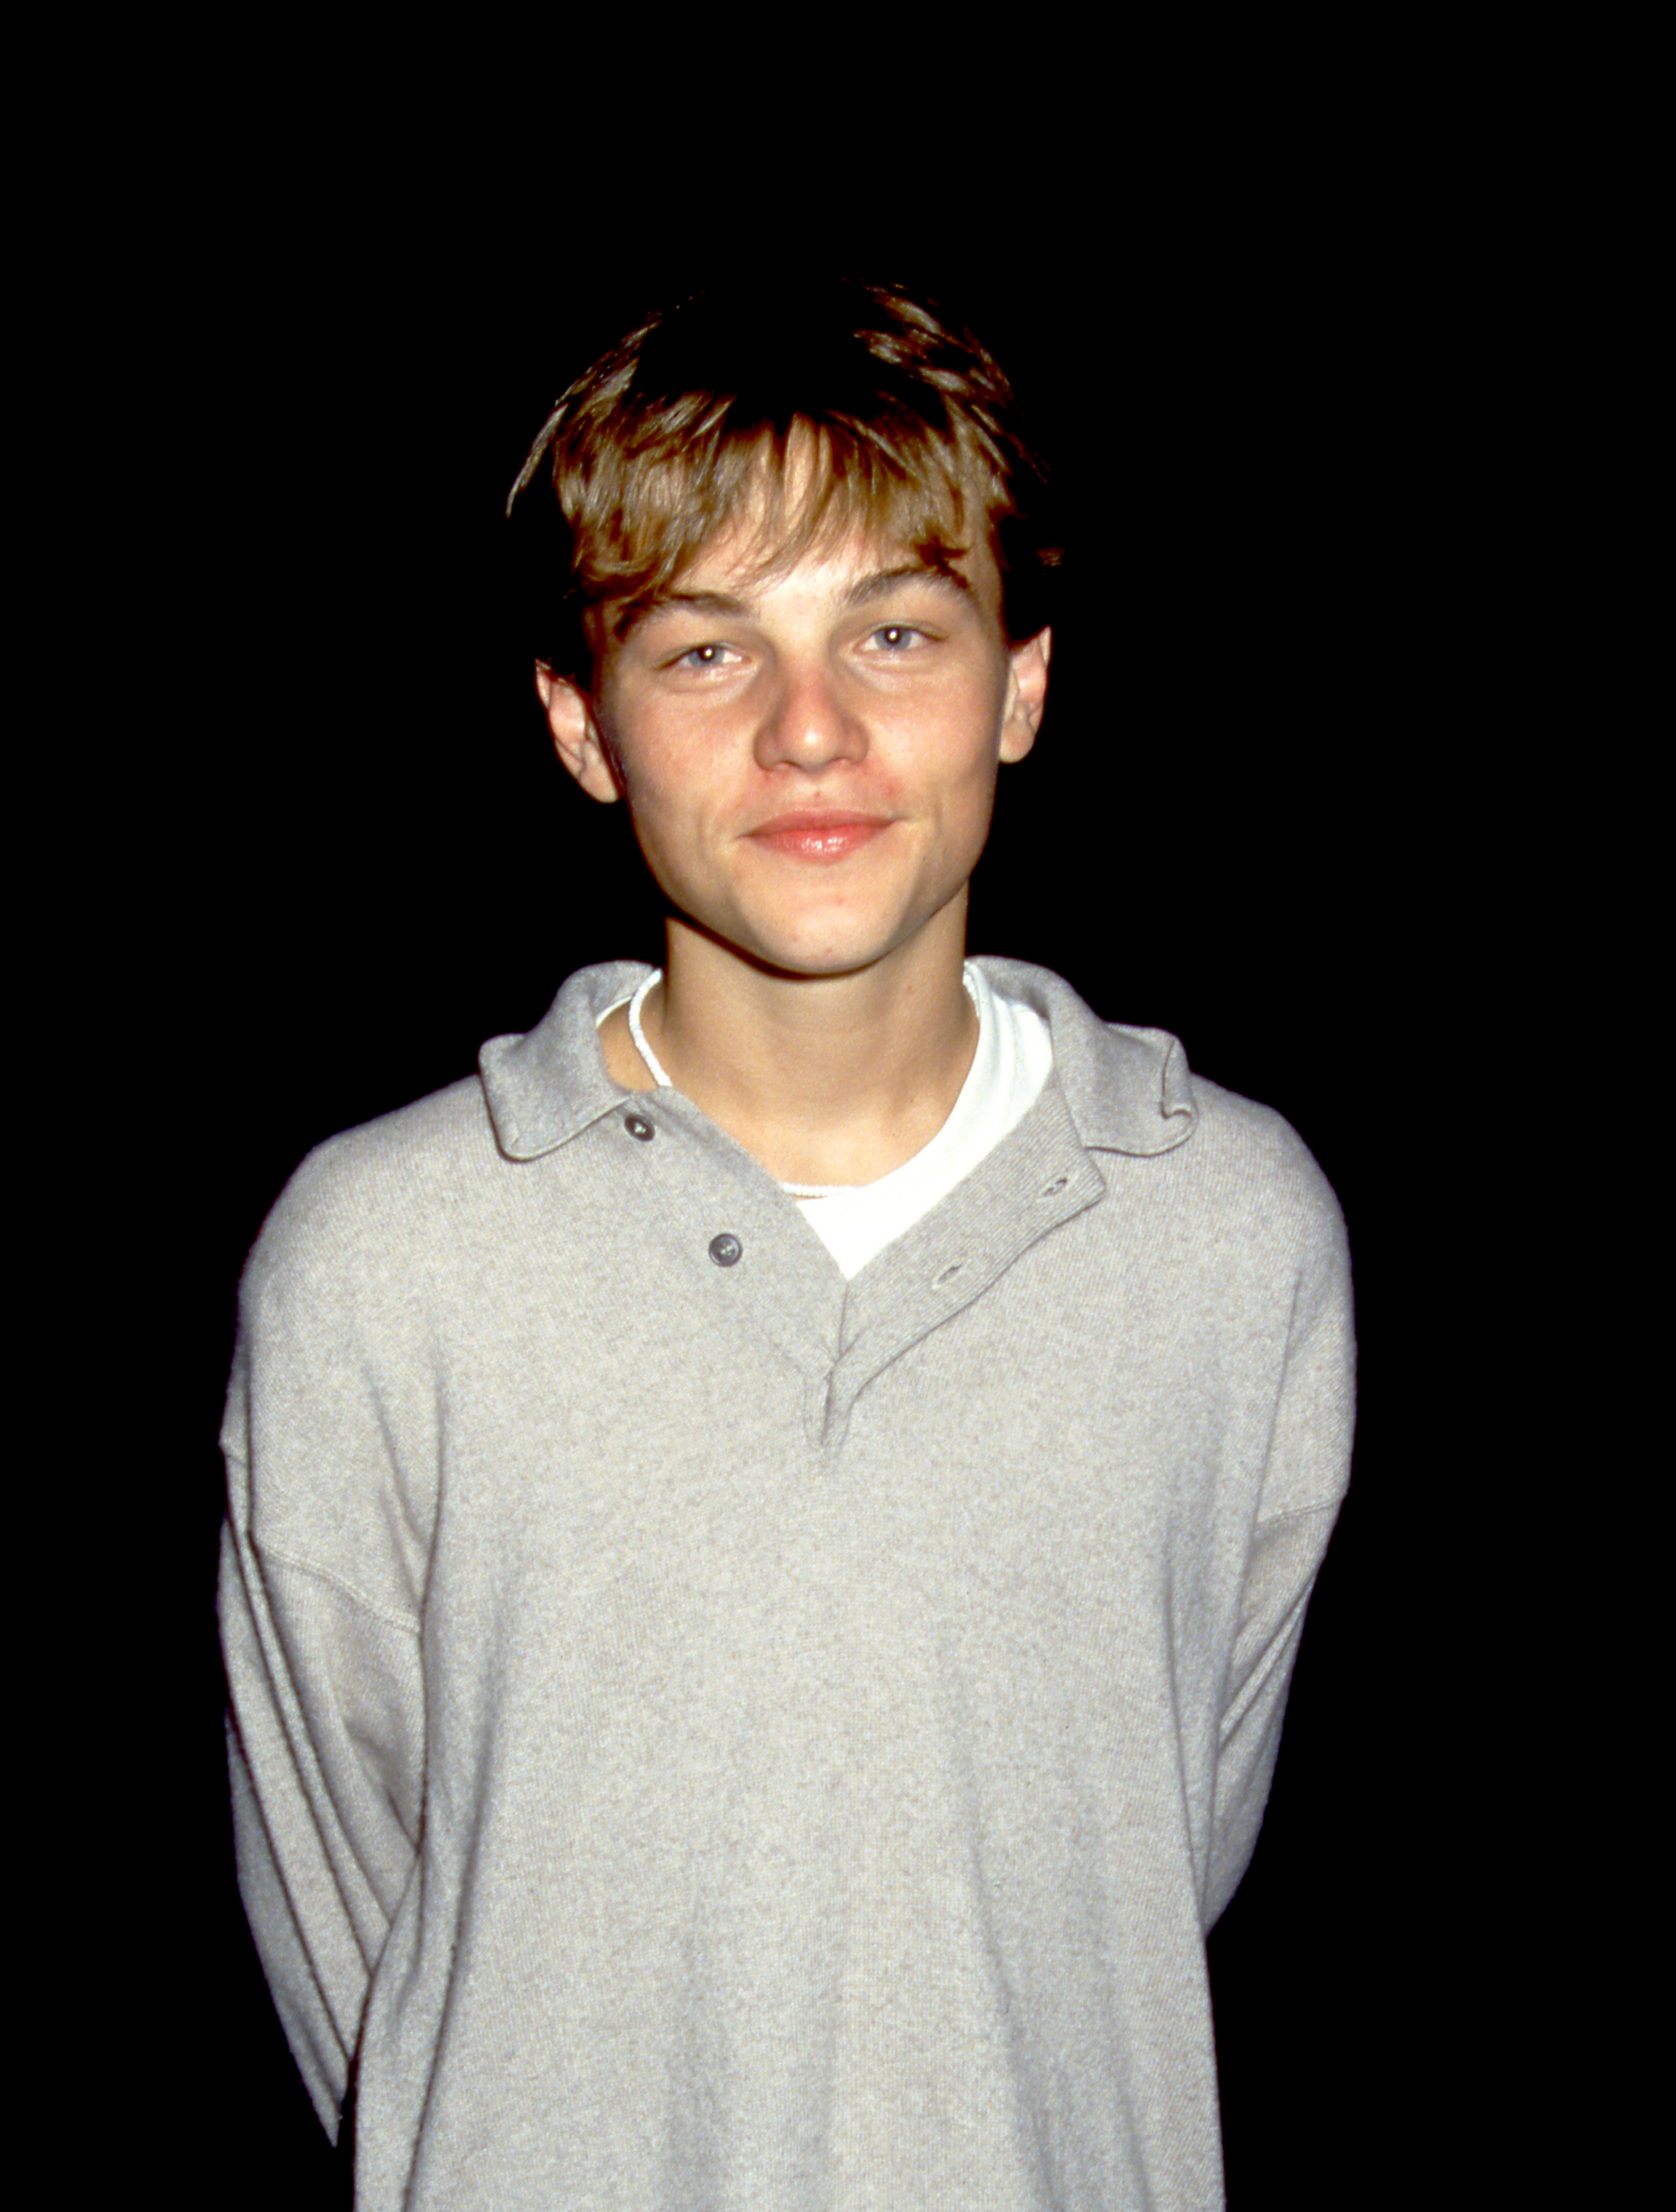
(769, 1530)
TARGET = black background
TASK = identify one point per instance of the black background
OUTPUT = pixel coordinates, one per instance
(1246, 822)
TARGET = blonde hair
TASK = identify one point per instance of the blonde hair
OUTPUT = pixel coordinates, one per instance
(841, 406)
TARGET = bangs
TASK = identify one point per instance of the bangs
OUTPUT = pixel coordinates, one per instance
(645, 516)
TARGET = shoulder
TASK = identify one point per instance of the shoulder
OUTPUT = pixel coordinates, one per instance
(368, 1205)
(1238, 1169)
(1260, 1168)
(1257, 1151)
(403, 1196)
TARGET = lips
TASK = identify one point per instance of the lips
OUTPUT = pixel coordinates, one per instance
(817, 836)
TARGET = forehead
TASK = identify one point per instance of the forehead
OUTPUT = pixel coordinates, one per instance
(751, 563)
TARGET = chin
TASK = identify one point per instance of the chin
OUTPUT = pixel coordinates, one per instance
(837, 954)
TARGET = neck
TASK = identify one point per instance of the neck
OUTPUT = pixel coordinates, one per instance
(824, 1078)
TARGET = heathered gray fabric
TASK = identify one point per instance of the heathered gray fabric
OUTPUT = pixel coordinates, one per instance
(715, 1737)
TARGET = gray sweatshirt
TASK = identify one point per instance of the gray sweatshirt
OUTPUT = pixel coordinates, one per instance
(706, 1734)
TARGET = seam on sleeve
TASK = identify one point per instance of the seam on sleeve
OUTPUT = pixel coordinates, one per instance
(385, 1612)
(1294, 1513)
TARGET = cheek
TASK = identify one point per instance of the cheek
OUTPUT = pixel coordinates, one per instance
(967, 738)
(650, 757)
(955, 714)
(675, 799)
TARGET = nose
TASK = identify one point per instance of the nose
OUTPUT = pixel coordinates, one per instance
(807, 722)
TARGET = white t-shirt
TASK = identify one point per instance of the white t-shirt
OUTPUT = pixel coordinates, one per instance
(856, 1221)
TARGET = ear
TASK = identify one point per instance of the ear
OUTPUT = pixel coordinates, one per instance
(1027, 695)
(578, 738)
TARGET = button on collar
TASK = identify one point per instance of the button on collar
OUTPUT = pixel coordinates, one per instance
(638, 1126)
(725, 1249)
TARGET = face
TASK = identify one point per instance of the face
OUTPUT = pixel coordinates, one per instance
(809, 755)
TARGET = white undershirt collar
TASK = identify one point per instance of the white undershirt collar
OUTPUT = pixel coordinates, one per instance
(856, 1221)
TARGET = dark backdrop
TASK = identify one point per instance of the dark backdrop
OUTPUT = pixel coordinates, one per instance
(1240, 825)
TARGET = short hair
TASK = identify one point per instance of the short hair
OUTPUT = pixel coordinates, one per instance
(654, 450)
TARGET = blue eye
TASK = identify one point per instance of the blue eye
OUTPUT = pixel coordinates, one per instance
(897, 635)
(702, 656)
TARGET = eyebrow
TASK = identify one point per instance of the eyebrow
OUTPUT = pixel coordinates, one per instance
(876, 586)
(861, 594)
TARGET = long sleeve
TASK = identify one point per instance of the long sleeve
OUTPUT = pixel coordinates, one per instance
(1304, 1480)
(321, 1641)
(324, 1728)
